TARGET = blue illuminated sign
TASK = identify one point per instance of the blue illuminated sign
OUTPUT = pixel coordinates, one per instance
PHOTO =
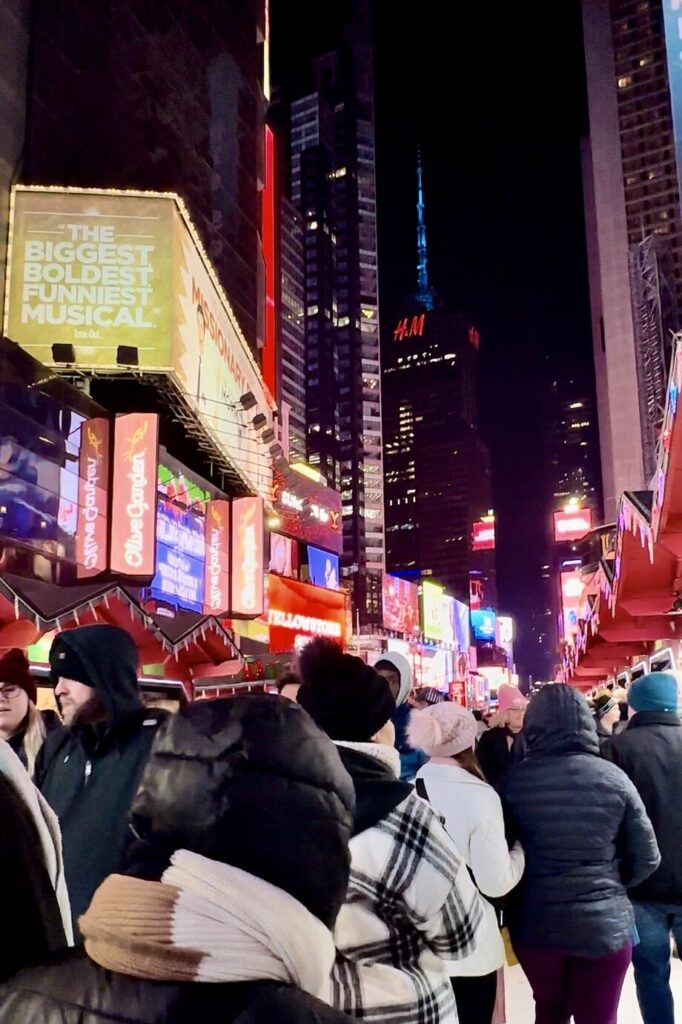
(180, 557)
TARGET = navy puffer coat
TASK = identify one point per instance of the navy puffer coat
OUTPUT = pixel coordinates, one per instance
(584, 829)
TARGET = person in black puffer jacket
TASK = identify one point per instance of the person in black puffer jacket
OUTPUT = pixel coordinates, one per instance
(244, 814)
(650, 753)
(587, 839)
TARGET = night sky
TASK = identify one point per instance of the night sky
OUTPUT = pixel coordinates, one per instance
(499, 114)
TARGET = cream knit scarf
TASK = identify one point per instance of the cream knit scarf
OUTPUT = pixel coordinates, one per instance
(46, 823)
(207, 922)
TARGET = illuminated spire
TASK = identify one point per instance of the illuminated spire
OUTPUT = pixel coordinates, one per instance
(424, 294)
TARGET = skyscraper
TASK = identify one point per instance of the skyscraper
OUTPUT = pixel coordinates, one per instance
(634, 232)
(437, 468)
(573, 444)
(329, 114)
(165, 97)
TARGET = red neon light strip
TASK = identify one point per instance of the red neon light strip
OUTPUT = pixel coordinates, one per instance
(269, 363)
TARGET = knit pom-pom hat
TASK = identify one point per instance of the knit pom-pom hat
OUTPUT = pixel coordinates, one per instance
(442, 730)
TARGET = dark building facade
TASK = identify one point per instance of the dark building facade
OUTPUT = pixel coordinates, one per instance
(326, 116)
(158, 96)
(573, 445)
(437, 469)
(291, 389)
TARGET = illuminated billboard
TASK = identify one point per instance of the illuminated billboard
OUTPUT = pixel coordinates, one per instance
(92, 526)
(119, 279)
(432, 624)
(298, 611)
(505, 628)
(308, 510)
(483, 536)
(323, 568)
(447, 619)
(462, 627)
(217, 558)
(180, 556)
(247, 556)
(484, 624)
(283, 555)
(572, 524)
(572, 589)
(401, 605)
(133, 521)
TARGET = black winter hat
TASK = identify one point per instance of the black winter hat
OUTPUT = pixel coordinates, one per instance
(15, 669)
(252, 782)
(104, 657)
(602, 704)
(346, 697)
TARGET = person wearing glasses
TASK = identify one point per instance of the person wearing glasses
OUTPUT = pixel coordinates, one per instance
(22, 725)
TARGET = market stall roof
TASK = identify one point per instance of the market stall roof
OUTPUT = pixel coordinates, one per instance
(636, 602)
(49, 607)
(188, 645)
(201, 646)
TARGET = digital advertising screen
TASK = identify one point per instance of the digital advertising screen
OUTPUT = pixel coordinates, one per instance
(572, 524)
(298, 611)
(447, 617)
(401, 605)
(432, 623)
(484, 624)
(323, 568)
(462, 626)
(180, 557)
(483, 535)
(283, 555)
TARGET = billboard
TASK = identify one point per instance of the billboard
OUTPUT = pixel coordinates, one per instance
(323, 568)
(283, 555)
(298, 611)
(572, 588)
(308, 511)
(505, 627)
(462, 627)
(447, 618)
(180, 556)
(483, 537)
(484, 624)
(432, 625)
(133, 524)
(247, 556)
(100, 270)
(401, 605)
(572, 524)
(217, 558)
(92, 526)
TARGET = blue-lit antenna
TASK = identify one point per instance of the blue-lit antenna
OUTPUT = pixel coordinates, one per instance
(424, 295)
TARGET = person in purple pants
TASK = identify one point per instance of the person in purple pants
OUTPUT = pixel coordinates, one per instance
(587, 839)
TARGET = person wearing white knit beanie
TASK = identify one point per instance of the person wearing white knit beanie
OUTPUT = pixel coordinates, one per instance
(453, 783)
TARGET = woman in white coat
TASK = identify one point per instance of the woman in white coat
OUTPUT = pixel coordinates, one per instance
(453, 783)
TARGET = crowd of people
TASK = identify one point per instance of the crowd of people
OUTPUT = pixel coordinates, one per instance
(349, 848)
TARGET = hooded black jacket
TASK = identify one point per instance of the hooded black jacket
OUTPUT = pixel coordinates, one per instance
(650, 753)
(89, 774)
(584, 830)
(496, 757)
